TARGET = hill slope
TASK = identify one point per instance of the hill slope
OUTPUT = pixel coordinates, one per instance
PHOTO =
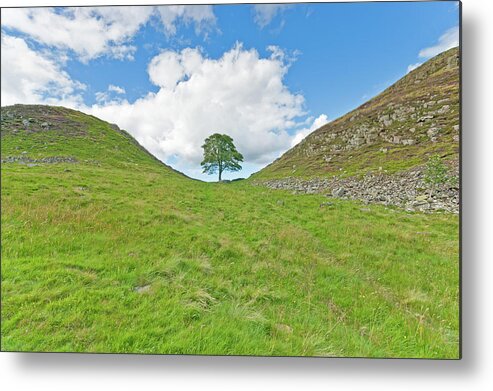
(401, 128)
(46, 134)
(104, 249)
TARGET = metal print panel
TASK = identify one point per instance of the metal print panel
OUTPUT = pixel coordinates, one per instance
(241, 179)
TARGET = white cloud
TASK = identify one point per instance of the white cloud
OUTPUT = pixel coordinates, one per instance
(101, 97)
(447, 41)
(240, 94)
(264, 13)
(91, 32)
(111, 95)
(117, 89)
(320, 121)
(279, 54)
(31, 77)
(88, 32)
(412, 67)
(202, 16)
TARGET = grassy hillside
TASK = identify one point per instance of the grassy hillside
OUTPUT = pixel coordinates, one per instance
(32, 132)
(104, 249)
(401, 128)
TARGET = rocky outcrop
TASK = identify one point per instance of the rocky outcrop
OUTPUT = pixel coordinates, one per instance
(415, 118)
(19, 119)
(46, 160)
(406, 189)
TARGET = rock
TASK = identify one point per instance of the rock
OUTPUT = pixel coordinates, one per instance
(385, 119)
(340, 192)
(325, 204)
(453, 62)
(26, 159)
(432, 132)
(357, 141)
(405, 189)
(25, 123)
(443, 109)
(425, 118)
(142, 289)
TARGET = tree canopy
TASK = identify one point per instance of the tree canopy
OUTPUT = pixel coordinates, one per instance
(220, 155)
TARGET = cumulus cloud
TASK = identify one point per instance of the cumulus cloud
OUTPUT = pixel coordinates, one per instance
(111, 95)
(91, 32)
(446, 41)
(202, 16)
(31, 77)
(264, 13)
(320, 121)
(117, 89)
(240, 94)
(88, 32)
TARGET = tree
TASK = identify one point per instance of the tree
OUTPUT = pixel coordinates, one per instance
(220, 155)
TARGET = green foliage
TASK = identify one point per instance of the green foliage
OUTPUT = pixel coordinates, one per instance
(124, 255)
(436, 172)
(220, 155)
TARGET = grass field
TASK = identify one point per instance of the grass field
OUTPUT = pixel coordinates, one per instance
(120, 254)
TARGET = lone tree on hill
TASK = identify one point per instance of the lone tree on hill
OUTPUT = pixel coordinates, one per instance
(220, 155)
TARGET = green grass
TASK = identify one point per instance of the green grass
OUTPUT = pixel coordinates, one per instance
(125, 255)
(364, 160)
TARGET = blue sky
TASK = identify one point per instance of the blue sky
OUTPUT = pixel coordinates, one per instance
(266, 75)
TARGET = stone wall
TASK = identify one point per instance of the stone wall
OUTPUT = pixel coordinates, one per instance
(406, 189)
(46, 160)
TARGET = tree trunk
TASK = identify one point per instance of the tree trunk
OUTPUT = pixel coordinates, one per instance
(220, 170)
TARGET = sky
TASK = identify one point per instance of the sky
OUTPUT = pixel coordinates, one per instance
(267, 75)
